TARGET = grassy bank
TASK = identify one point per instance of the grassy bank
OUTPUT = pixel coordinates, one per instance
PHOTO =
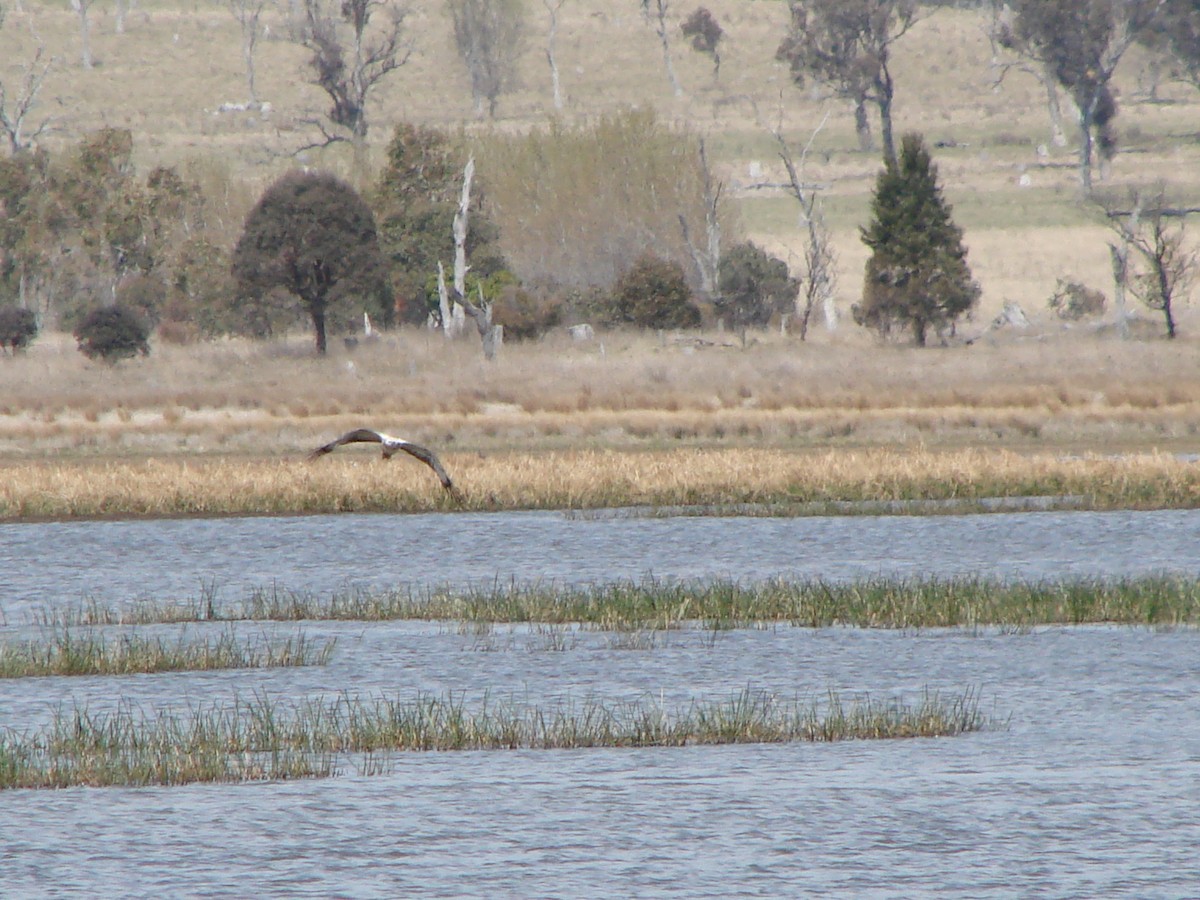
(270, 739)
(629, 606)
(70, 653)
(588, 480)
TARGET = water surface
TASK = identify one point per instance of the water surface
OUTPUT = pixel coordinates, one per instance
(1092, 789)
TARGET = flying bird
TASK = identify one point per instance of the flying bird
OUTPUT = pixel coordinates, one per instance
(391, 445)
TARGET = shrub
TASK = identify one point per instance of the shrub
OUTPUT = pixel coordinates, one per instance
(112, 333)
(526, 314)
(754, 286)
(1073, 300)
(653, 293)
(18, 327)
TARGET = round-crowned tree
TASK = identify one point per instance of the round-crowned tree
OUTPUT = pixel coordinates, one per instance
(18, 327)
(314, 236)
(917, 276)
(112, 333)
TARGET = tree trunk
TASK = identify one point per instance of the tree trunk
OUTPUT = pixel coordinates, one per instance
(885, 91)
(919, 328)
(1085, 151)
(318, 320)
(862, 125)
(1120, 264)
(551, 41)
(85, 30)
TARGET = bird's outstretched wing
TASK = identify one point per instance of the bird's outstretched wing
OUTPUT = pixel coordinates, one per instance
(358, 436)
(427, 456)
(390, 446)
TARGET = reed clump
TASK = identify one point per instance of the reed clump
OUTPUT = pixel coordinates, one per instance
(68, 652)
(779, 481)
(651, 604)
(267, 738)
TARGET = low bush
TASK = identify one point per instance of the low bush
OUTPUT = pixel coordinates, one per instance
(18, 327)
(112, 333)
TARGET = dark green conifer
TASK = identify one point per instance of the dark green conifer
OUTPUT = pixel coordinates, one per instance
(917, 276)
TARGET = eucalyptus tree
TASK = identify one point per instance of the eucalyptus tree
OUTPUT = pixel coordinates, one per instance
(847, 45)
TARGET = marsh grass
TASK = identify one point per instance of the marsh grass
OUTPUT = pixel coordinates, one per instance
(68, 652)
(640, 609)
(591, 479)
(265, 738)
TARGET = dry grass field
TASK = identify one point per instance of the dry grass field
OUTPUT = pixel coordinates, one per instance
(1042, 391)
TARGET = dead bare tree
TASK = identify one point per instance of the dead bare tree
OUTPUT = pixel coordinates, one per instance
(553, 7)
(13, 118)
(491, 336)
(656, 12)
(248, 14)
(1168, 264)
(707, 261)
(350, 58)
(819, 278)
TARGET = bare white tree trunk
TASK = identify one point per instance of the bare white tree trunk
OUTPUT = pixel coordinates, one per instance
(81, 8)
(492, 336)
(659, 16)
(819, 278)
(452, 314)
(708, 261)
(248, 14)
(553, 7)
(1120, 263)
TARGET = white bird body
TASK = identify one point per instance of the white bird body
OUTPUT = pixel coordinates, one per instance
(391, 446)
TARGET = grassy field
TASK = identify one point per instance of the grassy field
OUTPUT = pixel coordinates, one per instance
(1042, 392)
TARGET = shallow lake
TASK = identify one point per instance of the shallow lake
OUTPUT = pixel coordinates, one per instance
(1092, 789)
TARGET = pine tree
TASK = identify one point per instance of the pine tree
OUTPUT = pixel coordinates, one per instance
(917, 275)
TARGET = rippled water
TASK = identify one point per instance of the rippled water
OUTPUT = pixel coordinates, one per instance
(115, 561)
(1092, 790)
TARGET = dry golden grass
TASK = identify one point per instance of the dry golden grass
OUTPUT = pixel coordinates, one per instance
(586, 479)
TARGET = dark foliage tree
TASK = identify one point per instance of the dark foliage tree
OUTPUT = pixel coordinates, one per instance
(653, 293)
(847, 44)
(1080, 43)
(312, 235)
(416, 199)
(490, 36)
(112, 333)
(754, 286)
(18, 327)
(706, 33)
(917, 276)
